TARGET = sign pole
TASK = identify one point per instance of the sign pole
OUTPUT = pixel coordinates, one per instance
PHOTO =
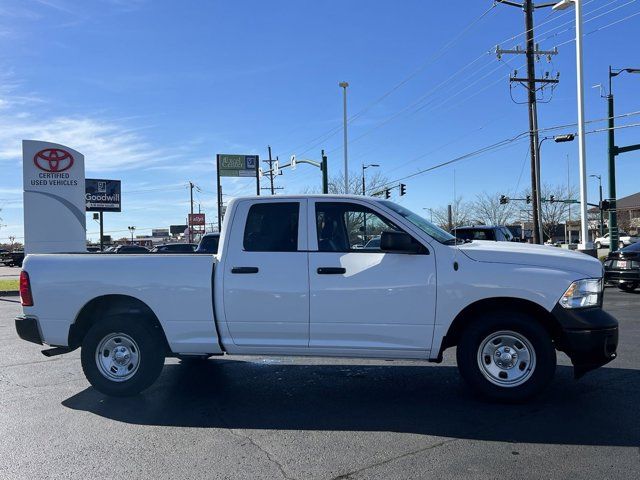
(101, 232)
(257, 177)
(219, 193)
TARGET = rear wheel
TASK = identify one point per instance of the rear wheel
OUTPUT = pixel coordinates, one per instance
(121, 356)
(506, 356)
(628, 287)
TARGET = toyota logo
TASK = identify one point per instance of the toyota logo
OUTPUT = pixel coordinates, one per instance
(53, 160)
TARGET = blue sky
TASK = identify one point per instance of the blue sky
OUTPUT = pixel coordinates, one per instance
(151, 91)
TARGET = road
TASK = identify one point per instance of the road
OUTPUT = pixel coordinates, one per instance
(315, 419)
(8, 273)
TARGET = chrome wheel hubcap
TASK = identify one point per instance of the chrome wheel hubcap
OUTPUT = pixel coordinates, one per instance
(118, 357)
(506, 358)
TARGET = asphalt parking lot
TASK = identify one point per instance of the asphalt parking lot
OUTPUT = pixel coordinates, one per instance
(305, 418)
(9, 272)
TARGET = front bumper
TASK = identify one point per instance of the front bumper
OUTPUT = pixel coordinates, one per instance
(589, 337)
(27, 328)
(622, 276)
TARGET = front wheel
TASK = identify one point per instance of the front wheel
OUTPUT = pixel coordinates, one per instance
(122, 356)
(506, 356)
(628, 287)
(598, 245)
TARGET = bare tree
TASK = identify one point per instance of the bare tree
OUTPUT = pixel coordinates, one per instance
(374, 183)
(461, 214)
(553, 213)
(487, 209)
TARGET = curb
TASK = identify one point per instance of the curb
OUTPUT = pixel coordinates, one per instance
(9, 293)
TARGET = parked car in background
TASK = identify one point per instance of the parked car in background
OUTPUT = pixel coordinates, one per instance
(12, 259)
(129, 249)
(373, 244)
(174, 248)
(484, 232)
(622, 268)
(624, 239)
(209, 243)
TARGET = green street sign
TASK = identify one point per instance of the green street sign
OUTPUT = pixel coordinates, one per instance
(237, 165)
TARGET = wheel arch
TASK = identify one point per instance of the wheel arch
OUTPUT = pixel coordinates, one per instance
(99, 308)
(469, 314)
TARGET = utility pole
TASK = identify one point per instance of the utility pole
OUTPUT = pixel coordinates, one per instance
(270, 171)
(530, 82)
(271, 186)
(191, 216)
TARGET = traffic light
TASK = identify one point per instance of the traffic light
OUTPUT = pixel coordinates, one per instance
(605, 205)
(403, 189)
(504, 199)
(528, 199)
(552, 198)
(387, 193)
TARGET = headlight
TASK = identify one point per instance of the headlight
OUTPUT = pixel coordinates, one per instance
(583, 293)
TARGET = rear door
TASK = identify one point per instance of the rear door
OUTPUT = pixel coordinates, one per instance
(366, 298)
(266, 280)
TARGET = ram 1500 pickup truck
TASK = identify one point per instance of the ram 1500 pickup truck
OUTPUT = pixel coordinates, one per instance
(289, 280)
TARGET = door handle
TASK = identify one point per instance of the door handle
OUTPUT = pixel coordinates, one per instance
(331, 270)
(244, 270)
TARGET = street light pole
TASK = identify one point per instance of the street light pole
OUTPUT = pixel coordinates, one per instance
(132, 229)
(582, 154)
(599, 177)
(364, 192)
(344, 86)
(569, 137)
(364, 184)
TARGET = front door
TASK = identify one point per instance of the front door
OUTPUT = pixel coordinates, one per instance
(362, 297)
(266, 281)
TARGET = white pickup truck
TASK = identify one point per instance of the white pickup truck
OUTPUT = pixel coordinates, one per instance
(287, 280)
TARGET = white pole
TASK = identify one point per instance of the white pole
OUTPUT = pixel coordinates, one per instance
(344, 86)
(585, 243)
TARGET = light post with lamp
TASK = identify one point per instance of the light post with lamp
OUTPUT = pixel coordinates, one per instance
(131, 230)
(344, 86)
(599, 177)
(364, 167)
(582, 154)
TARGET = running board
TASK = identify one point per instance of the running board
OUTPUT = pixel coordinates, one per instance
(52, 352)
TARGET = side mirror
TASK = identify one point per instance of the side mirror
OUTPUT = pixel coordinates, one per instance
(398, 242)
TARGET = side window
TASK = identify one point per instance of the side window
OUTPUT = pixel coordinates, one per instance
(272, 227)
(344, 227)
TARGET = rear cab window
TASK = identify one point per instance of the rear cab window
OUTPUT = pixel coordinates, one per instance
(272, 227)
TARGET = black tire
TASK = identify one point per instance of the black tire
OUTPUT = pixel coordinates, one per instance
(598, 245)
(628, 287)
(150, 348)
(536, 375)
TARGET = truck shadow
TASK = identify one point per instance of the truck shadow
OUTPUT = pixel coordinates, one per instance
(600, 409)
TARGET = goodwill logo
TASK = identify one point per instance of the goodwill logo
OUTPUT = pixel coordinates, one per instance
(53, 163)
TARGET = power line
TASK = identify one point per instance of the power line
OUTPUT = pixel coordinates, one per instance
(446, 47)
(488, 148)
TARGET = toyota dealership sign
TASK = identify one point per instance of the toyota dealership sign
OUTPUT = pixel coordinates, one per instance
(54, 198)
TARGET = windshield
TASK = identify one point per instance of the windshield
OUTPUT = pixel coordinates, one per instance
(427, 227)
